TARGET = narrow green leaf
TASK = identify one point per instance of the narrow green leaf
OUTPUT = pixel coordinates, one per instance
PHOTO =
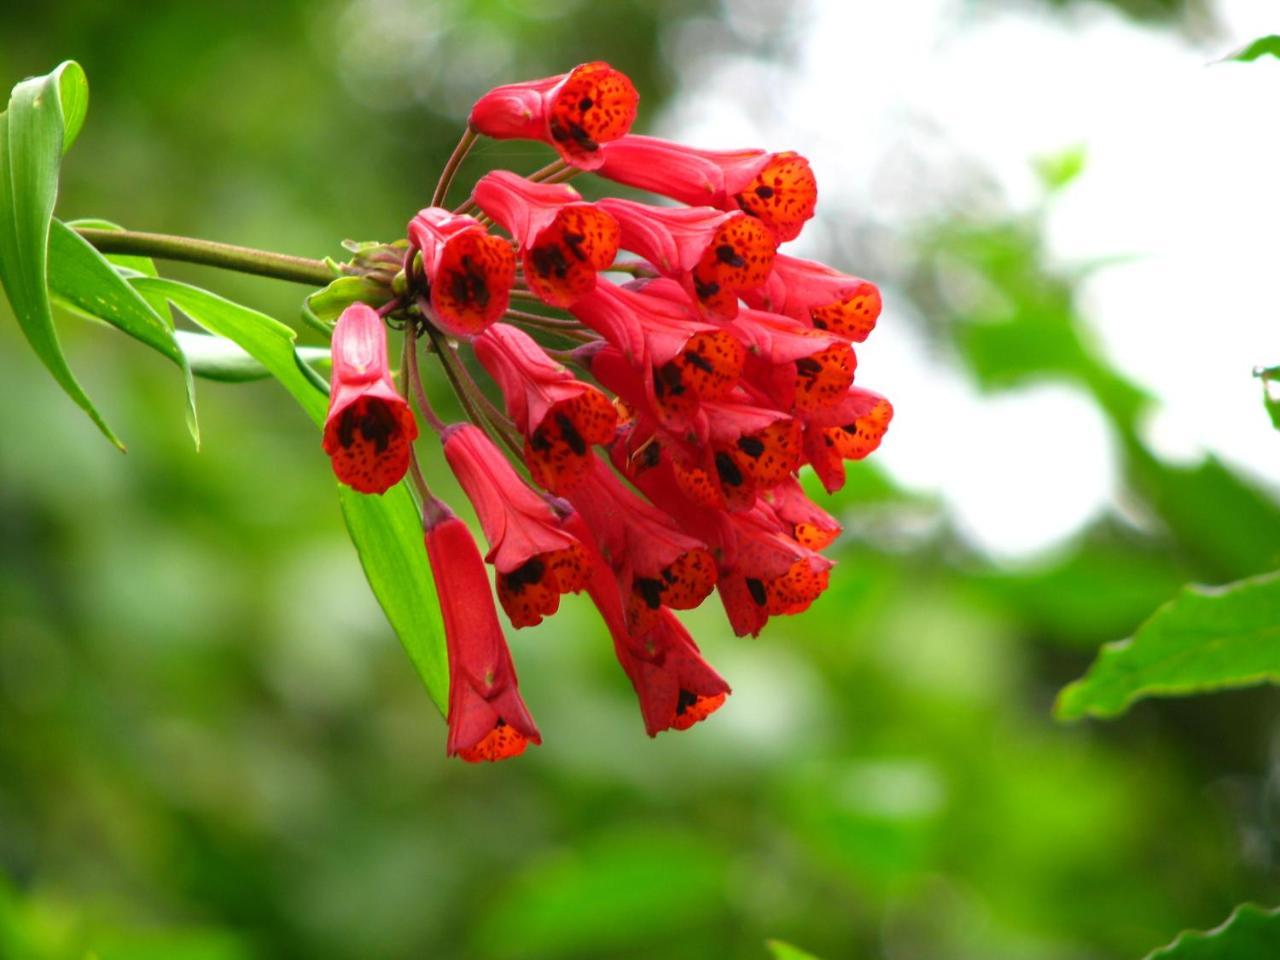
(785, 951)
(1262, 47)
(1250, 933)
(34, 132)
(217, 358)
(1205, 639)
(265, 339)
(80, 277)
(143, 265)
(73, 95)
(387, 532)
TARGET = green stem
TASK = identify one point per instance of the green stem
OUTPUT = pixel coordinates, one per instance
(262, 263)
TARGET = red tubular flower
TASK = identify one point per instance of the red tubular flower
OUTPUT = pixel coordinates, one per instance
(746, 449)
(714, 255)
(800, 368)
(675, 686)
(560, 417)
(487, 717)
(848, 431)
(470, 272)
(682, 360)
(777, 188)
(536, 561)
(563, 241)
(370, 426)
(574, 112)
(817, 294)
(655, 564)
(809, 525)
(772, 574)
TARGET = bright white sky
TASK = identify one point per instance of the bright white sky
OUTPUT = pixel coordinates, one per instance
(1183, 168)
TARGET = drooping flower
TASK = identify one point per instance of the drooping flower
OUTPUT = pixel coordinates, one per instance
(678, 358)
(655, 564)
(810, 525)
(771, 574)
(777, 188)
(573, 112)
(799, 367)
(469, 271)
(850, 430)
(370, 426)
(675, 686)
(817, 294)
(535, 559)
(560, 417)
(563, 241)
(487, 716)
(714, 255)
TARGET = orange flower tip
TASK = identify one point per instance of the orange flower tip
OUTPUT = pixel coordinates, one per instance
(501, 743)
(368, 443)
(691, 708)
(594, 104)
(783, 195)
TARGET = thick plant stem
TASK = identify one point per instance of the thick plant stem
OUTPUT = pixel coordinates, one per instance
(262, 263)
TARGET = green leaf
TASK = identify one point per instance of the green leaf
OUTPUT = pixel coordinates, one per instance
(785, 951)
(1058, 170)
(35, 131)
(266, 340)
(386, 530)
(1205, 639)
(1262, 47)
(217, 358)
(143, 265)
(73, 97)
(82, 279)
(1250, 933)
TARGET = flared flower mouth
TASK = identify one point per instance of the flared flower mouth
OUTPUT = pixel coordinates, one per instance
(782, 196)
(368, 441)
(558, 449)
(471, 287)
(593, 104)
(562, 263)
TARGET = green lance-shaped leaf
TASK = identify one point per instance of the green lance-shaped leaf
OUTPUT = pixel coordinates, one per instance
(81, 279)
(386, 530)
(1205, 639)
(43, 118)
(1262, 47)
(1250, 933)
(217, 358)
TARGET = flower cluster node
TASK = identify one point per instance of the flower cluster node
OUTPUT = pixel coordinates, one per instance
(663, 450)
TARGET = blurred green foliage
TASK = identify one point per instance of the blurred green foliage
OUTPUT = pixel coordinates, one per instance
(212, 747)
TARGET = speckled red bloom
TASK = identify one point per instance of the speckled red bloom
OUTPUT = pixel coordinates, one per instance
(712, 377)
(712, 254)
(487, 716)
(777, 188)
(370, 426)
(574, 112)
(564, 243)
(560, 417)
(535, 559)
(468, 271)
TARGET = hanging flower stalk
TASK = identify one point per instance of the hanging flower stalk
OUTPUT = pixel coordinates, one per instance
(650, 414)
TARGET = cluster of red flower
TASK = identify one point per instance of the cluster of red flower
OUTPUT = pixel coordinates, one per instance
(716, 404)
